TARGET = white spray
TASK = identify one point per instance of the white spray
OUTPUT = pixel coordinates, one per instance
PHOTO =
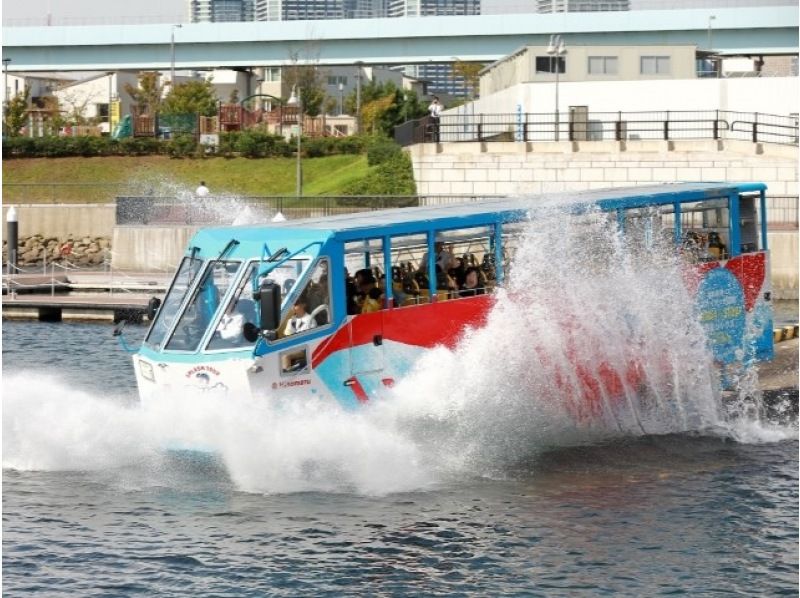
(582, 309)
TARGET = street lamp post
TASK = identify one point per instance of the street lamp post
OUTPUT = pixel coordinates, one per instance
(5, 77)
(294, 100)
(358, 96)
(711, 19)
(556, 49)
(172, 49)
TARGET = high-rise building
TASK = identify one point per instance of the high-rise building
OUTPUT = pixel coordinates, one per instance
(582, 5)
(220, 11)
(440, 77)
(432, 8)
(310, 10)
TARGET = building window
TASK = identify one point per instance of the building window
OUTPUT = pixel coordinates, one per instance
(603, 65)
(102, 111)
(272, 74)
(335, 80)
(654, 65)
(549, 64)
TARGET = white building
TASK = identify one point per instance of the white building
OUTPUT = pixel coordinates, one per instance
(100, 99)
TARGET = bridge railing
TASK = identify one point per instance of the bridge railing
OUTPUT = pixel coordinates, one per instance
(578, 125)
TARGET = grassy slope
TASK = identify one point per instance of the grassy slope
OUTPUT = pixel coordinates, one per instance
(100, 179)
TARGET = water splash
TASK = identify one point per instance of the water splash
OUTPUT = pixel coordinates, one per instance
(594, 337)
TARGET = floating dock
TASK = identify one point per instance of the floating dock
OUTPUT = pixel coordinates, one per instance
(85, 296)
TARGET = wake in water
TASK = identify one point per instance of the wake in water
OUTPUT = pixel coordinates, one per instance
(594, 336)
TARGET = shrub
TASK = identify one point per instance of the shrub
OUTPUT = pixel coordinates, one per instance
(349, 145)
(318, 146)
(182, 146)
(18, 147)
(382, 150)
(395, 176)
(139, 146)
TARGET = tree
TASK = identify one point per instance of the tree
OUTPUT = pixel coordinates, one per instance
(372, 113)
(191, 97)
(470, 72)
(149, 92)
(404, 105)
(15, 113)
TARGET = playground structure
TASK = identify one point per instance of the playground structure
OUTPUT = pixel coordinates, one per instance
(280, 120)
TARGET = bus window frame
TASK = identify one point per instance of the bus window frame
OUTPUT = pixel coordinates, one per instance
(288, 302)
(213, 322)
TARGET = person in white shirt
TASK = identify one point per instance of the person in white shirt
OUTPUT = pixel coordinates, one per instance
(202, 190)
(301, 320)
(435, 112)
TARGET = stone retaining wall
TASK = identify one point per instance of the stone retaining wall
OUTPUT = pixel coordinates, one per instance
(84, 251)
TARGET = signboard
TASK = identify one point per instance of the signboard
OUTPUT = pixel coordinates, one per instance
(209, 139)
(114, 113)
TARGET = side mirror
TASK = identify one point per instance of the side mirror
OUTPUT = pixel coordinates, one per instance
(269, 299)
(152, 307)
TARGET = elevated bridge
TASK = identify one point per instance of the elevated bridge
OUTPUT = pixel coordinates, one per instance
(764, 30)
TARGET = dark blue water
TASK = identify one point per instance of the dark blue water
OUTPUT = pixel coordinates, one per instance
(630, 516)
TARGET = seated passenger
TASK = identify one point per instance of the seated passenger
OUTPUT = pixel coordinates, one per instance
(301, 320)
(716, 248)
(691, 246)
(233, 321)
(472, 284)
(371, 294)
(351, 294)
(488, 266)
(458, 271)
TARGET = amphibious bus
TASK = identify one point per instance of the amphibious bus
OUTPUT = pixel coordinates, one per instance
(342, 306)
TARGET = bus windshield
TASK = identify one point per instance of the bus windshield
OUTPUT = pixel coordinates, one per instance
(205, 301)
(187, 272)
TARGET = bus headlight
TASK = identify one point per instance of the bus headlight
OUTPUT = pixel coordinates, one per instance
(146, 370)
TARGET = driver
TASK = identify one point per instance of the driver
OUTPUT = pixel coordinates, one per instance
(301, 320)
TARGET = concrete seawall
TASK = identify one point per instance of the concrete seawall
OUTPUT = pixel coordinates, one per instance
(65, 220)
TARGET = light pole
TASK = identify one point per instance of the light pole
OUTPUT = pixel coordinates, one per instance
(358, 96)
(711, 19)
(5, 77)
(172, 48)
(556, 49)
(294, 100)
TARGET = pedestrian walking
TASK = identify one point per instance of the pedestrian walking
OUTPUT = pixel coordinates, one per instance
(435, 112)
(202, 190)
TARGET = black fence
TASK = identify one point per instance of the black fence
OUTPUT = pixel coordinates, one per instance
(580, 125)
(243, 210)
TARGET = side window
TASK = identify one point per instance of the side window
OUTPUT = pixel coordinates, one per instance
(311, 306)
(649, 227)
(705, 230)
(748, 218)
(294, 361)
(240, 309)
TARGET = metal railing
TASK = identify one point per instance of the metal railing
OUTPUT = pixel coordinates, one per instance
(220, 210)
(578, 125)
(782, 212)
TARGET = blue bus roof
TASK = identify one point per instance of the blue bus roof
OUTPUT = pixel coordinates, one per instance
(376, 223)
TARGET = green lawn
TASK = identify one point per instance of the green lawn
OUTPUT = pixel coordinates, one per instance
(101, 179)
